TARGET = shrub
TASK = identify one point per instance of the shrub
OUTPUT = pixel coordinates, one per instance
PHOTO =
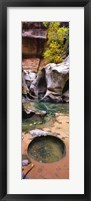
(57, 43)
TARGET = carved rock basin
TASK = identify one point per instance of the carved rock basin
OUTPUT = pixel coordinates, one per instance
(46, 149)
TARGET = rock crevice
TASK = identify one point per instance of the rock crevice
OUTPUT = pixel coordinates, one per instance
(49, 83)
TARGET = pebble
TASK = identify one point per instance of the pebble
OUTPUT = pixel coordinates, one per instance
(25, 162)
(22, 137)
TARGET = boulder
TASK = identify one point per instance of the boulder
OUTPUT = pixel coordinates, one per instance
(56, 78)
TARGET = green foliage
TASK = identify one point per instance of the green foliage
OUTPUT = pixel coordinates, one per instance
(58, 42)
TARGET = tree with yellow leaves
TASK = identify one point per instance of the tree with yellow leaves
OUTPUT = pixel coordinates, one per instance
(58, 42)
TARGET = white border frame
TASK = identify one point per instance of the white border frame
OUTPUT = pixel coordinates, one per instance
(75, 184)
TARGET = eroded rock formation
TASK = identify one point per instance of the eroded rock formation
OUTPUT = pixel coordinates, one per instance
(56, 78)
(49, 82)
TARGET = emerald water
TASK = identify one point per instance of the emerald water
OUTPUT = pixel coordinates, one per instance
(41, 121)
(46, 149)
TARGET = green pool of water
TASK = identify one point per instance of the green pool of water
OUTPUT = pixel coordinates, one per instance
(48, 119)
(46, 149)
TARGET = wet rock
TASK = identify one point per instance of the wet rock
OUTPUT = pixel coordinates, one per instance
(41, 113)
(27, 113)
(46, 99)
(33, 40)
(65, 96)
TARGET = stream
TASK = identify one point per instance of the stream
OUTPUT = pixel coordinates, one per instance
(43, 121)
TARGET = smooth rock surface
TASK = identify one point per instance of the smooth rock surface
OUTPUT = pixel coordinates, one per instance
(38, 132)
(25, 162)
